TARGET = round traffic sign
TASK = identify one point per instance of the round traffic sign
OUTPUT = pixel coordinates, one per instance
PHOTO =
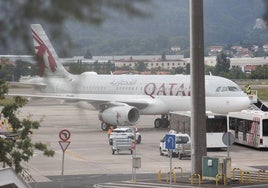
(64, 135)
(228, 138)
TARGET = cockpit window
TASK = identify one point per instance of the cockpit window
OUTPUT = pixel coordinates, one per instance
(224, 89)
(229, 88)
(232, 88)
(218, 89)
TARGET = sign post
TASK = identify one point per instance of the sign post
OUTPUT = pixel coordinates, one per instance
(228, 139)
(170, 144)
(64, 136)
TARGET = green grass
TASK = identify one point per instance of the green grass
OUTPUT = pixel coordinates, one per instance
(263, 94)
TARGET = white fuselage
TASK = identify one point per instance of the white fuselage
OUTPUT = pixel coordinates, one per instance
(164, 93)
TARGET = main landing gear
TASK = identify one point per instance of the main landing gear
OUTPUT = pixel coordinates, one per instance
(162, 122)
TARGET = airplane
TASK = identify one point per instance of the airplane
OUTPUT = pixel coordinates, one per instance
(121, 99)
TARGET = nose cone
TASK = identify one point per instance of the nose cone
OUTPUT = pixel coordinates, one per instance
(240, 103)
(245, 103)
(231, 104)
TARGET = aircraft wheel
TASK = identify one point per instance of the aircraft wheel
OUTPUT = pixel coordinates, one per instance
(157, 123)
(104, 126)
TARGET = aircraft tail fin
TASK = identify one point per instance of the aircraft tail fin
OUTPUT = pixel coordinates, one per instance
(48, 61)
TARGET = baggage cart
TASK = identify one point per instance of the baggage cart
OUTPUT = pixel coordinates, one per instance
(122, 144)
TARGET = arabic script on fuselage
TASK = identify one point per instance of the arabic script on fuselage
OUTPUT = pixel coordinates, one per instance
(123, 82)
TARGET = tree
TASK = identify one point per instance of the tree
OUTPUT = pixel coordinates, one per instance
(88, 54)
(140, 66)
(209, 70)
(163, 56)
(3, 87)
(259, 53)
(261, 72)
(187, 68)
(23, 68)
(97, 66)
(223, 64)
(178, 70)
(265, 15)
(19, 147)
(110, 67)
(78, 68)
(7, 72)
(236, 73)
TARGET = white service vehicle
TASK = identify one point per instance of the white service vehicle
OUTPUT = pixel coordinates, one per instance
(249, 127)
(183, 146)
(125, 132)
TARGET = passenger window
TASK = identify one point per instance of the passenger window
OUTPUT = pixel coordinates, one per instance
(265, 127)
(182, 139)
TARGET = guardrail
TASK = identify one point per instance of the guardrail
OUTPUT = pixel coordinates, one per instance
(195, 176)
(249, 176)
(174, 175)
(224, 179)
(260, 177)
(244, 177)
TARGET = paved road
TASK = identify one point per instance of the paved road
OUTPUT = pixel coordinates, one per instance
(89, 160)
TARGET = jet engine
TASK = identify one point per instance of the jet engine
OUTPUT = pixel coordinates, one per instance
(120, 115)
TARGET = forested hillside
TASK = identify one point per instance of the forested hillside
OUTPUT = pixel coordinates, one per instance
(227, 22)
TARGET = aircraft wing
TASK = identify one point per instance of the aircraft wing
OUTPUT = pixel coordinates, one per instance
(97, 100)
(21, 84)
(28, 81)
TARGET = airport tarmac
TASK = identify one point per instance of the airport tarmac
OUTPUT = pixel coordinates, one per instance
(90, 153)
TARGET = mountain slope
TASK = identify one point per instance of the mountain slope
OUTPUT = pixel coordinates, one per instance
(226, 22)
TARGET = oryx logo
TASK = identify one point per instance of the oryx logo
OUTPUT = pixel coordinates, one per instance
(45, 58)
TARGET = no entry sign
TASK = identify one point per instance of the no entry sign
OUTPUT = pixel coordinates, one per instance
(64, 135)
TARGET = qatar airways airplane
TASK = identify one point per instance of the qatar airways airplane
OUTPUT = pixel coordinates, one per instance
(121, 99)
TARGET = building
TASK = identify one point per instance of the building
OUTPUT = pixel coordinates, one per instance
(214, 50)
(107, 63)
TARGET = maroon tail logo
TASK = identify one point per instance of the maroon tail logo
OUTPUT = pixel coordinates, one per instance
(44, 55)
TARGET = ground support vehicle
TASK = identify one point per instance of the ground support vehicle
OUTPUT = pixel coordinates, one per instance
(249, 127)
(184, 150)
(216, 126)
(183, 146)
(125, 132)
(122, 144)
